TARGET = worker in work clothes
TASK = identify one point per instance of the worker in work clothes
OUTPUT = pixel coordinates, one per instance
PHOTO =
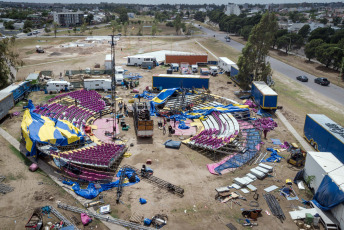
(120, 106)
(125, 109)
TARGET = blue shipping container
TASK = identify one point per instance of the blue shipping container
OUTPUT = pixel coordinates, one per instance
(234, 70)
(166, 81)
(263, 95)
(324, 135)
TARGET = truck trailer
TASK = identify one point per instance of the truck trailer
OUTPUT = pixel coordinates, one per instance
(264, 96)
(58, 86)
(166, 81)
(6, 103)
(324, 135)
(19, 90)
(192, 59)
(97, 84)
(138, 60)
(142, 120)
(225, 64)
(234, 70)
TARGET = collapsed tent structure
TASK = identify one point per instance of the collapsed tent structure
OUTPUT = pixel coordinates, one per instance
(46, 130)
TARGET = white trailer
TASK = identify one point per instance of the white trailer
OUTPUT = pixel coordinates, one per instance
(58, 86)
(319, 164)
(137, 60)
(225, 64)
(97, 84)
(108, 62)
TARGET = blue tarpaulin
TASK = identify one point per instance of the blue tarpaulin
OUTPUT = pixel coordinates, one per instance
(172, 144)
(92, 192)
(274, 156)
(328, 195)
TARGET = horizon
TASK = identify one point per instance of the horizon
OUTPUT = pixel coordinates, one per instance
(171, 2)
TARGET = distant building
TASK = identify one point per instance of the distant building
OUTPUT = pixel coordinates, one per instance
(68, 18)
(131, 15)
(232, 9)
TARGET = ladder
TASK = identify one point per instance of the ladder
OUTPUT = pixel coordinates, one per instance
(61, 217)
(157, 181)
(120, 222)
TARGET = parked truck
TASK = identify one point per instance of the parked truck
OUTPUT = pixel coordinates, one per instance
(214, 70)
(324, 135)
(142, 120)
(264, 96)
(166, 81)
(192, 59)
(19, 90)
(39, 49)
(234, 70)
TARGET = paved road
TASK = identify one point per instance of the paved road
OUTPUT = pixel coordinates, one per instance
(332, 91)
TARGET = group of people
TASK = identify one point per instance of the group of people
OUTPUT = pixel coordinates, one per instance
(124, 107)
(162, 125)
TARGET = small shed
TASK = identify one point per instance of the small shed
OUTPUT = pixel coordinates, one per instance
(33, 78)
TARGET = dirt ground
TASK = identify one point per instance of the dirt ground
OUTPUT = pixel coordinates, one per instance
(185, 167)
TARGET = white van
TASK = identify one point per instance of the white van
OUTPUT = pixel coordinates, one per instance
(119, 70)
(58, 86)
(213, 70)
(194, 68)
(119, 79)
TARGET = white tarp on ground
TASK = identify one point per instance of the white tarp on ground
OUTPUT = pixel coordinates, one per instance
(160, 55)
(100, 38)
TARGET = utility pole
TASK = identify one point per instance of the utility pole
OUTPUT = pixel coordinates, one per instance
(113, 87)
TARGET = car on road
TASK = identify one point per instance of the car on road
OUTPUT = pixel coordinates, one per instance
(302, 78)
(322, 81)
(29, 34)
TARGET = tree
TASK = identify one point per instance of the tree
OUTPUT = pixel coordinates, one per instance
(336, 21)
(140, 32)
(28, 24)
(199, 16)
(323, 21)
(69, 32)
(90, 32)
(83, 28)
(177, 23)
(304, 31)
(125, 28)
(55, 28)
(9, 60)
(278, 34)
(284, 42)
(113, 26)
(325, 54)
(123, 15)
(74, 29)
(169, 24)
(47, 29)
(311, 47)
(322, 33)
(252, 63)
(9, 25)
(119, 28)
(89, 18)
(154, 29)
(245, 32)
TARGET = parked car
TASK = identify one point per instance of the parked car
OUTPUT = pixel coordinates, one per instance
(322, 81)
(29, 34)
(302, 78)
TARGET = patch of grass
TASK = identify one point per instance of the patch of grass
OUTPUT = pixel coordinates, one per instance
(17, 176)
(220, 49)
(46, 98)
(29, 52)
(114, 213)
(26, 161)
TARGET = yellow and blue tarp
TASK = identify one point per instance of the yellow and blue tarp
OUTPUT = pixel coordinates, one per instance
(41, 129)
(161, 98)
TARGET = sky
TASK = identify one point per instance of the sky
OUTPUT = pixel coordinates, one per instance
(219, 2)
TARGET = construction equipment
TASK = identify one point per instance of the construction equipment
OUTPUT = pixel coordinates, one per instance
(120, 222)
(297, 158)
(61, 217)
(143, 174)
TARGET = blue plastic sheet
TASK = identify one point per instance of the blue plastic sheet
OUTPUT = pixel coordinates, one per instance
(182, 125)
(274, 156)
(263, 113)
(92, 192)
(328, 195)
(172, 144)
